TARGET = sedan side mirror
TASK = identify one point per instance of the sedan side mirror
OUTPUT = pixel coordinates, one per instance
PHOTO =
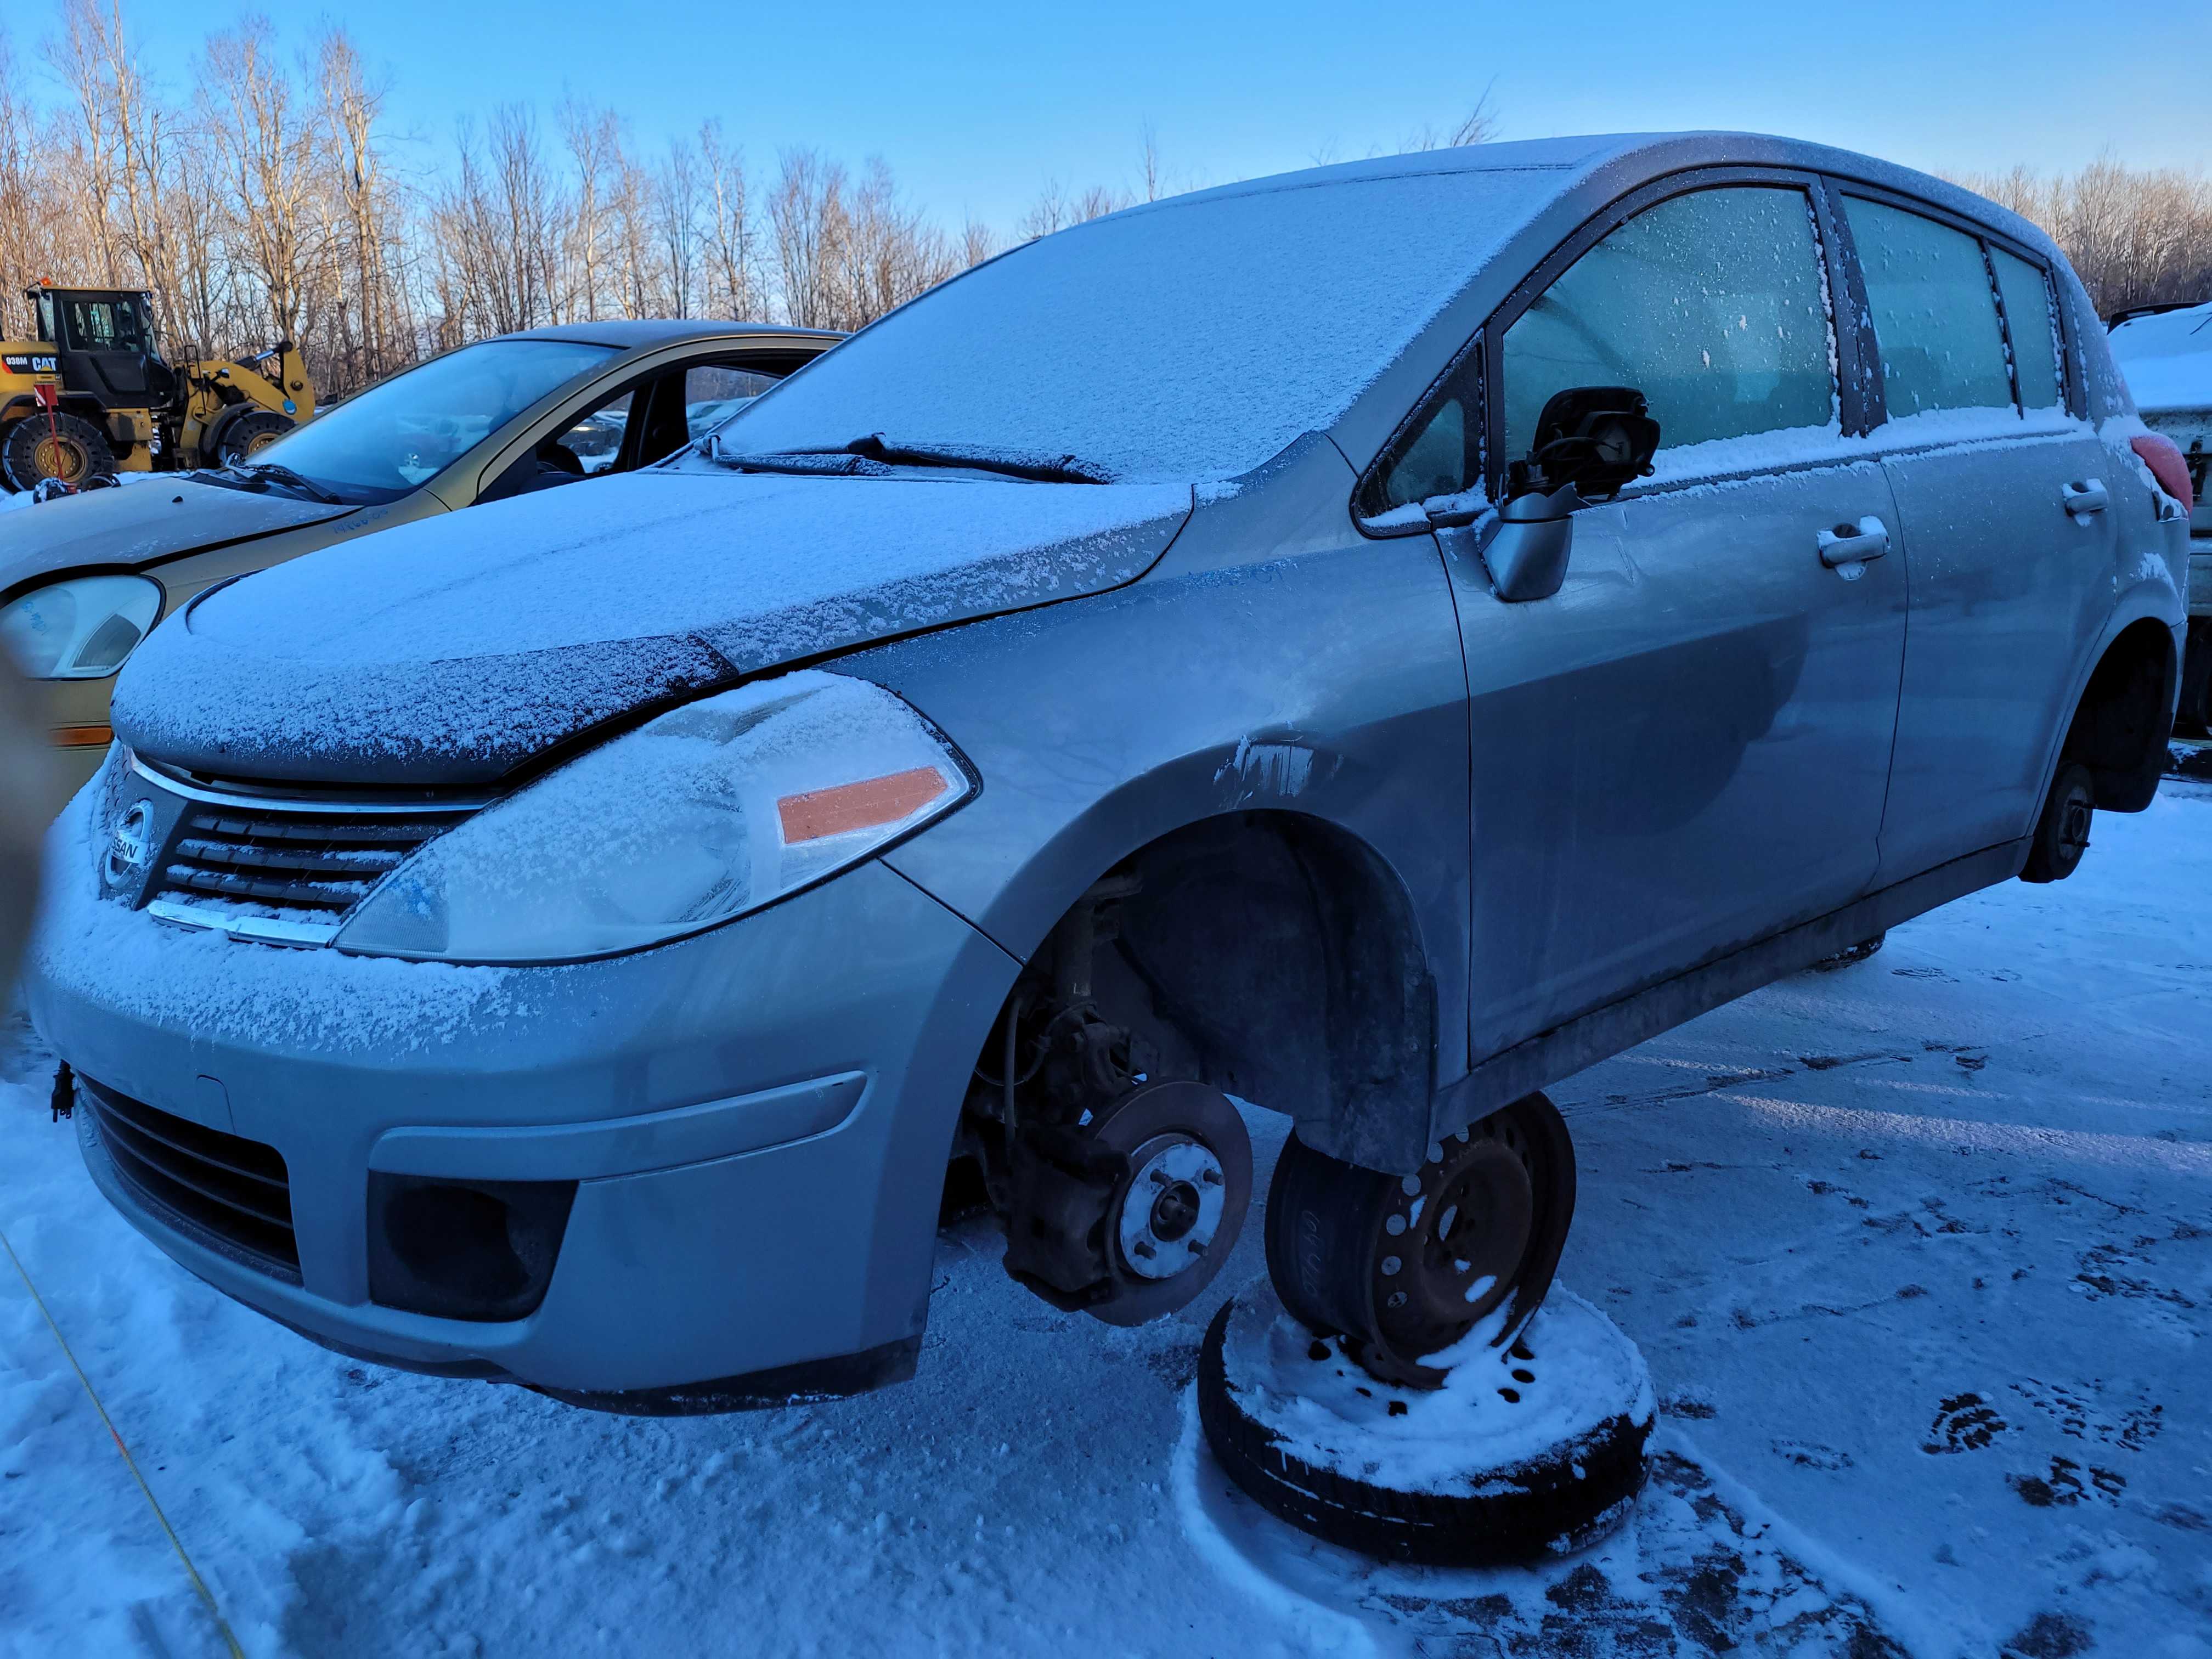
(1528, 554)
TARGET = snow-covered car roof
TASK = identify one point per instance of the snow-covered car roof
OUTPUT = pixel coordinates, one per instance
(1196, 338)
(2167, 358)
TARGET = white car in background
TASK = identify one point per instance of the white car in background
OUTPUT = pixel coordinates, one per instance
(2165, 352)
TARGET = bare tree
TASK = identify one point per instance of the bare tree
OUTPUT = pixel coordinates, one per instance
(733, 291)
(592, 138)
(269, 142)
(806, 216)
(1478, 127)
(1055, 210)
(498, 231)
(374, 324)
(675, 202)
(2135, 237)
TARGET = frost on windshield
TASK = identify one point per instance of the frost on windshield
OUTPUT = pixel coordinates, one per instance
(1187, 340)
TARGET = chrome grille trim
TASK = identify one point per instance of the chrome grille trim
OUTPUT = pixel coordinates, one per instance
(281, 870)
(336, 805)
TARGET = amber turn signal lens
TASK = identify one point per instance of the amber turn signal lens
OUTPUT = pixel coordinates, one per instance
(863, 806)
(82, 737)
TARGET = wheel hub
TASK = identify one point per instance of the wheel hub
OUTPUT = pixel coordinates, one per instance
(57, 458)
(1172, 1209)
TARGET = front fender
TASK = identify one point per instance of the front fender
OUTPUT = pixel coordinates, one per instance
(1325, 682)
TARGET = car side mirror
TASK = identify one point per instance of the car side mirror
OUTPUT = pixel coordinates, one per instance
(1526, 555)
(1598, 439)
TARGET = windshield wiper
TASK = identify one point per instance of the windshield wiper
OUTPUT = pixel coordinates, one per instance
(277, 472)
(875, 454)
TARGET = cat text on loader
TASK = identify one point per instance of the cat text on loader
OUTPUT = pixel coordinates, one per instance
(88, 396)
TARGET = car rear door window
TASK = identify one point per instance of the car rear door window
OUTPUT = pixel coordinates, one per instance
(1711, 304)
(2029, 319)
(1935, 312)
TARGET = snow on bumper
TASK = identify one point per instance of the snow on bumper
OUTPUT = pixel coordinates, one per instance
(757, 1118)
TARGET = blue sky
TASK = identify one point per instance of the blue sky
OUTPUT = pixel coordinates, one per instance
(977, 106)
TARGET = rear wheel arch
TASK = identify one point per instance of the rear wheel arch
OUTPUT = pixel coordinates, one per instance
(2124, 716)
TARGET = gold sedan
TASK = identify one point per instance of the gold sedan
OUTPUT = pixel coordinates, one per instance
(84, 578)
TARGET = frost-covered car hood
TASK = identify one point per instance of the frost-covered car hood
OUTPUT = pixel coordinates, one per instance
(450, 651)
(162, 519)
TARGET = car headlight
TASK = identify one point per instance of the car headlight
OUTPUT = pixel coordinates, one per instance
(81, 628)
(703, 814)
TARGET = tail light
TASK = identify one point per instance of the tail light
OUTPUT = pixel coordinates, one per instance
(2164, 458)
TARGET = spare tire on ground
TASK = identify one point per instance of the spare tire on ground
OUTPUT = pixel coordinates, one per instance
(1523, 1452)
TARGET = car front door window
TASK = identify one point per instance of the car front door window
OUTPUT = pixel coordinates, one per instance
(1712, 305)
(594, 442)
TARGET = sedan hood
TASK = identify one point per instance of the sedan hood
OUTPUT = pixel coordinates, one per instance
(448, 652)
(138, 525)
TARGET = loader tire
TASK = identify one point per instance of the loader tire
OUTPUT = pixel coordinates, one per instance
(244, 436)
(41, 446)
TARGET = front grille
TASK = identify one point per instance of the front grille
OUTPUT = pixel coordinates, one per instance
(295, 862)
(218, 1184)
(286, 873)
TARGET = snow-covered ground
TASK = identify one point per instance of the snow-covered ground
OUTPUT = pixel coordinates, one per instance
(1919, 1252)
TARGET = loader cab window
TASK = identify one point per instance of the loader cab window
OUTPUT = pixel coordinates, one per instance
(108, 325)
(43, 323)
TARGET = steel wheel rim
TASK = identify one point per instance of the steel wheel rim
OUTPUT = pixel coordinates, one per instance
(1450, 1248)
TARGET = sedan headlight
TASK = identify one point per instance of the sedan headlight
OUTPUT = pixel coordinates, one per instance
(81, 628)
(709, 811)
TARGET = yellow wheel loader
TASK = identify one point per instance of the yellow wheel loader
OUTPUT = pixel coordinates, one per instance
(90, 395)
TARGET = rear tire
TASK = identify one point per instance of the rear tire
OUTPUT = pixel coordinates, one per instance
(65, 446)
(2062, 834)
(244, 436)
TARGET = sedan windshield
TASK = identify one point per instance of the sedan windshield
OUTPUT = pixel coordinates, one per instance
(1190, 339)
(402, 432)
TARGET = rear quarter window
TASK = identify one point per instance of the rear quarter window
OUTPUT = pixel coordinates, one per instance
(2032, 328)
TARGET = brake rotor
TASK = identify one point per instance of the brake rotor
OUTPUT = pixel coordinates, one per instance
(1175, 1217)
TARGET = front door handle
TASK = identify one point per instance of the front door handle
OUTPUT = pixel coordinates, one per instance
(1853, 543)
(2086, 497)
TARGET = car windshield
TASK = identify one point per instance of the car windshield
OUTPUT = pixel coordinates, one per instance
(1186, 340)
(404, 431)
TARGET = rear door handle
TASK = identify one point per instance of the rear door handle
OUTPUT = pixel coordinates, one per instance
(1853, 543)
(2086, 497)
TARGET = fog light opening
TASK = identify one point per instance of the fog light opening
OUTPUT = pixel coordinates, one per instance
(464, 1249)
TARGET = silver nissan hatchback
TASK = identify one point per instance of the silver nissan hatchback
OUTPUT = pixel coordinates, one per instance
(1369, 642)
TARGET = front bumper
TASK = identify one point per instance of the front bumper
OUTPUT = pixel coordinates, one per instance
(758, 1119)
